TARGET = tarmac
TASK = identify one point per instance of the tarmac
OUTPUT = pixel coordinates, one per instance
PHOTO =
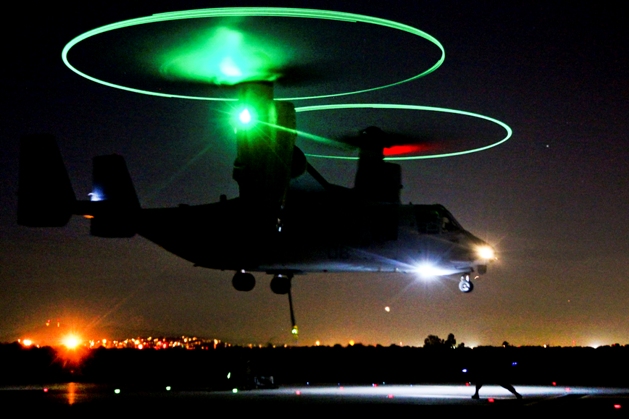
(77, 399)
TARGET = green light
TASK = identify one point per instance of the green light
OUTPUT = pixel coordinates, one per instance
(221, 56)
(245, 116)
(229, 68)
(410, 107)
(229, 65)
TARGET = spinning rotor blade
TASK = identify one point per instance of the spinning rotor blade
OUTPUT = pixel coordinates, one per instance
(290, 75)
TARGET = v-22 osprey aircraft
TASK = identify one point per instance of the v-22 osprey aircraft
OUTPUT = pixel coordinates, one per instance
(287, 220)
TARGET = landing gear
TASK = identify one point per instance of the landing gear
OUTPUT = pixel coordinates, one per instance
(243, 281)
(281, 284)
(466, 285)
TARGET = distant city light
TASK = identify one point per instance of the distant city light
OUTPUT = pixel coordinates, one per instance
(27, 342)
(351, 343)
(387, 309)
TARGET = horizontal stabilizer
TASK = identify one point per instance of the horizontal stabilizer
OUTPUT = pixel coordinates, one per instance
(45, 194)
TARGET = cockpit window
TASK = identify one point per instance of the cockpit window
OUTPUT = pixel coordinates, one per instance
(435, 219)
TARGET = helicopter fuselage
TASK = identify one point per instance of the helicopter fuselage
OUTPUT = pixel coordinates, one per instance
(316, 235)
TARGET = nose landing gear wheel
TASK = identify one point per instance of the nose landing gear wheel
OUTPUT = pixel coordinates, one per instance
(466, 285)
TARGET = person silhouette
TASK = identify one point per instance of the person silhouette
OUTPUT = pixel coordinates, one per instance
(494, 368)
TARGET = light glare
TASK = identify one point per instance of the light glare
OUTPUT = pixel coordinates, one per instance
(429, 270)
(71, 341)
(245, 116)
(485, 252)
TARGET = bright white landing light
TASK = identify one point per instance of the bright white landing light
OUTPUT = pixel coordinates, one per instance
(427, 270)
(485, 252)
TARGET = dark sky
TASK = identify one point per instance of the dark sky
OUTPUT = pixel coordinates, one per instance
(553, 199)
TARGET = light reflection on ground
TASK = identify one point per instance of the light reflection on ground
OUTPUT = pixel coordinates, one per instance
(440, 391)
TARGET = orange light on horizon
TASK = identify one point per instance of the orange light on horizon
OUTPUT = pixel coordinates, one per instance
(71, 341)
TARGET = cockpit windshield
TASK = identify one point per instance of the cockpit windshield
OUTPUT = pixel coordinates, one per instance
(435, 219)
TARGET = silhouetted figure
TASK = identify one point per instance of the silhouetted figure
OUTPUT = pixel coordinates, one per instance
(494, 368)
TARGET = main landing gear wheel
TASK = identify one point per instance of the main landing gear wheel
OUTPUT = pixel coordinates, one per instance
(243, 281)
(280, 284)
(466, 285)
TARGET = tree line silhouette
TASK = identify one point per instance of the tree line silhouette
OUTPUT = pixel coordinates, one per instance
(438, 361)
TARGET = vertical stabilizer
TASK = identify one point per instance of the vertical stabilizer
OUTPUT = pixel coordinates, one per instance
(113, 195)
(45, 194)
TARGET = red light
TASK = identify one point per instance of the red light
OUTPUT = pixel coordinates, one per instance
(617, 406)
(390, 396)
(397, 150)
(46, 390)
(554, 383)
(298, 393)
(490, 400)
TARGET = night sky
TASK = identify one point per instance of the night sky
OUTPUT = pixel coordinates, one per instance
(552, 200)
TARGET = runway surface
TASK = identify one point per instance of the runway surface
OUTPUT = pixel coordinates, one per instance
(80, 399)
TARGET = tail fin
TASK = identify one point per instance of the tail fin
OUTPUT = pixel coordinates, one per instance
(377, 180)
(45, 194)
(116, 201)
